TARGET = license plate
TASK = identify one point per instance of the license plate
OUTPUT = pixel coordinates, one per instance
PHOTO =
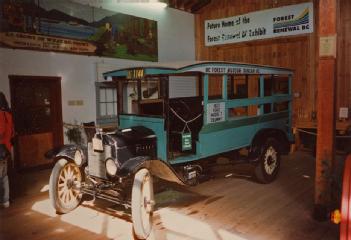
(192, 175)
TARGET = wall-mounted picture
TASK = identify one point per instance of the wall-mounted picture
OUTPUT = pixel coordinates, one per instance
(66, 26)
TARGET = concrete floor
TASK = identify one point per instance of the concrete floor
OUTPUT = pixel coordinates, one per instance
(230, 206)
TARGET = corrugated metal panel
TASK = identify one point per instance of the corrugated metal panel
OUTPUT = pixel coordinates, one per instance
(182, 86)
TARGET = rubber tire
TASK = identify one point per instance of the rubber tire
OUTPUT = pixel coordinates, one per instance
(260, 172)
(139, 231)
(53, 190)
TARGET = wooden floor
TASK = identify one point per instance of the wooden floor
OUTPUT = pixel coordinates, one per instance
(229, 207)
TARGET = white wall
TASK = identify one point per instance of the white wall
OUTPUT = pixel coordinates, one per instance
(175, 43)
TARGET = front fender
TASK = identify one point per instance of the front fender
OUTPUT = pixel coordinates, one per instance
(66, 151)
(157, 167)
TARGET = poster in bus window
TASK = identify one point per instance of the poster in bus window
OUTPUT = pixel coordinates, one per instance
(215, 112)
(65, 26)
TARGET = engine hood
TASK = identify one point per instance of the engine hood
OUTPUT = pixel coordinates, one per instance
(131, 142)
(132, 136)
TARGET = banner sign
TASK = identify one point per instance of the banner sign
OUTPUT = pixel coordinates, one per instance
(218, 69)
(215, 112)
(65, 26)
(271, 23)
(42, 42)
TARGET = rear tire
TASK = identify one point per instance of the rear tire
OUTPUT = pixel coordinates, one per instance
(64, 177)
(142, 204)
(268, 166)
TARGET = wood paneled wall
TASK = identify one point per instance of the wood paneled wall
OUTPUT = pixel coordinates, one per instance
(344, 55)
(298, 52)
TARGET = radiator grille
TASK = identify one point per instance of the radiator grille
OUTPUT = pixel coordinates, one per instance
(96, 161)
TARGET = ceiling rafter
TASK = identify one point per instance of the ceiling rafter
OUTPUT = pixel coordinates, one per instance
(191, 6)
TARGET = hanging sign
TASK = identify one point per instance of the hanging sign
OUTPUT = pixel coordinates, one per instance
(271, 23)
(186, 141)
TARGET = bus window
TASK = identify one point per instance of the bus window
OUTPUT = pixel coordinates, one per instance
(150, 88)
(253, 92)
(276, 85)
(142, 96)
(243, 111)
(152, 93)
(237, 112)
(280, 106)
(281, 84)
(268, 85)
(130, 97)
(237, 86)
(215, 87)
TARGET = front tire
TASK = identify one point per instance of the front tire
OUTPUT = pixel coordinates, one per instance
(63, 191)
(268, 166)
(142, 204)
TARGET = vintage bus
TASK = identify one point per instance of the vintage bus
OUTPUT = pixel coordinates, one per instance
(174, 120)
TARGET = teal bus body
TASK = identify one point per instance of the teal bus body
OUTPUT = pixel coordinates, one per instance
(155, 124)
(229, 133)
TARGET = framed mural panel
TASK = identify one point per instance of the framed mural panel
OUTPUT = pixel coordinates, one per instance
(65, 26)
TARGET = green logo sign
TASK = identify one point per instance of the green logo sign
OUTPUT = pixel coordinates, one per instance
(186, 141)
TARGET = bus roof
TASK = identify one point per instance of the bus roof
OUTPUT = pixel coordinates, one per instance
(207, 67)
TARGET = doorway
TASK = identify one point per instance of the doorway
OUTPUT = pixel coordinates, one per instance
(37, 111)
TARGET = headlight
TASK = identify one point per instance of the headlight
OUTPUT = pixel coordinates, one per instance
(111, 167)
(78, 158)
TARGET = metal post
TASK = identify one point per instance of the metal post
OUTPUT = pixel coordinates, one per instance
(225, 95)
(205, 94)
(261, 93)
(290, 107)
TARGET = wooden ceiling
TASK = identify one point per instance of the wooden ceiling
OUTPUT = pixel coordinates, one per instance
(192, 6)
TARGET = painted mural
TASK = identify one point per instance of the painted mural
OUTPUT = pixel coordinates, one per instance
(65, 26)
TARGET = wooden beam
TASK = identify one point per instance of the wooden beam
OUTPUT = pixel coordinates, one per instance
(188, 4)
(325, 107)
(171, 4)
(199, 4)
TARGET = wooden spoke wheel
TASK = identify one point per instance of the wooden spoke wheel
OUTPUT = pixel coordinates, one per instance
(65, 181)
(142, 204)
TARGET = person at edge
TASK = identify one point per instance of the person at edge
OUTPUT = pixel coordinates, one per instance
(6, 134)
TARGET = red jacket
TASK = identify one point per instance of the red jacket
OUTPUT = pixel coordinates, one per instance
(6, 129)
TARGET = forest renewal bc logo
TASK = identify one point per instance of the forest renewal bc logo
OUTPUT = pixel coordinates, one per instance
(290, 23)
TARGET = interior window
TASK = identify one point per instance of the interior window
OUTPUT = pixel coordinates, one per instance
(106, 103)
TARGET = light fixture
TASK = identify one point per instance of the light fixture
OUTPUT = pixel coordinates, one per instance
(158, 3)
